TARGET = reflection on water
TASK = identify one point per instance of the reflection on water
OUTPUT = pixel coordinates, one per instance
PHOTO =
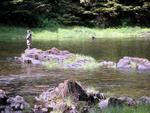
(29, 80)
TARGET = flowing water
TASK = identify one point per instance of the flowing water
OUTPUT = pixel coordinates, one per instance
(29, 80)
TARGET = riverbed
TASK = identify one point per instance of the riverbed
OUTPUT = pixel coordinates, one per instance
(30, 80)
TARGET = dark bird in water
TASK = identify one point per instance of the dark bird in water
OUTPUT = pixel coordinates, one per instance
(93, 38)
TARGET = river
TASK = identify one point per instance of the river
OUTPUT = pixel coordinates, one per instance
(28, 80)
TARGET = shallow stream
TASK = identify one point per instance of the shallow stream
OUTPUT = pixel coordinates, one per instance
(29, 80)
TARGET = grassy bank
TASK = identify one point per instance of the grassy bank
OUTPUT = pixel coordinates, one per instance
(8, 33)
(137, 109)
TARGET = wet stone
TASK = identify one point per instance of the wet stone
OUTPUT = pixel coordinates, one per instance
(12, 104)
(144, 100)
(68, 92)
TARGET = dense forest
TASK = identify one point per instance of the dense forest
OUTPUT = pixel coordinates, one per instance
(101, 13)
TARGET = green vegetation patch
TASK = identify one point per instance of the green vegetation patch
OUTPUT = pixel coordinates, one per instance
(75, 61)
(61, 33)
(125, 109)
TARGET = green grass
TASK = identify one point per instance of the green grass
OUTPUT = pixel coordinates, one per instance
(8, 33)
(55, 64)
(138, 109)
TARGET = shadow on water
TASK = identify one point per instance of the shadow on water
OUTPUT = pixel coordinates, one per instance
(29, 80)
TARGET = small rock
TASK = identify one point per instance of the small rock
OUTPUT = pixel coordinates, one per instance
(103, 103)
(17, 103)
(3, 98)
(128, 101)
(112, 101)
(108, 64)
(144, 100)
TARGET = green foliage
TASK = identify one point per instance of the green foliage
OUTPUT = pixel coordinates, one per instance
(45, 22)
(101, 13)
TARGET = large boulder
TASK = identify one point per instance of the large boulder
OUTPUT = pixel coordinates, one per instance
(68, 88)
(67, 97)
(134, 63)
(37, 56)
(145, 34)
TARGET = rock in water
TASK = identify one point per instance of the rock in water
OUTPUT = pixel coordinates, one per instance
(39, 109)
(112, 101)
(12, 104)
(74, 89)
(58, 58)
(108, 64)
(3, 98)
(66, 97)
(134, 63)
(37, 56)
(103, 103)
(144, 100)
(128, 101)
(18, 103)
(66, 89)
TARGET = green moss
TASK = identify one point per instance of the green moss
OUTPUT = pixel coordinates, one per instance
(84, 12)
(73, 59)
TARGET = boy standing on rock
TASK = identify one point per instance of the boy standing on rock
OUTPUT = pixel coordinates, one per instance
(29, 39)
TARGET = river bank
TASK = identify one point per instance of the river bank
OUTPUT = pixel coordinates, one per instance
(71, 97)
(62, 33)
